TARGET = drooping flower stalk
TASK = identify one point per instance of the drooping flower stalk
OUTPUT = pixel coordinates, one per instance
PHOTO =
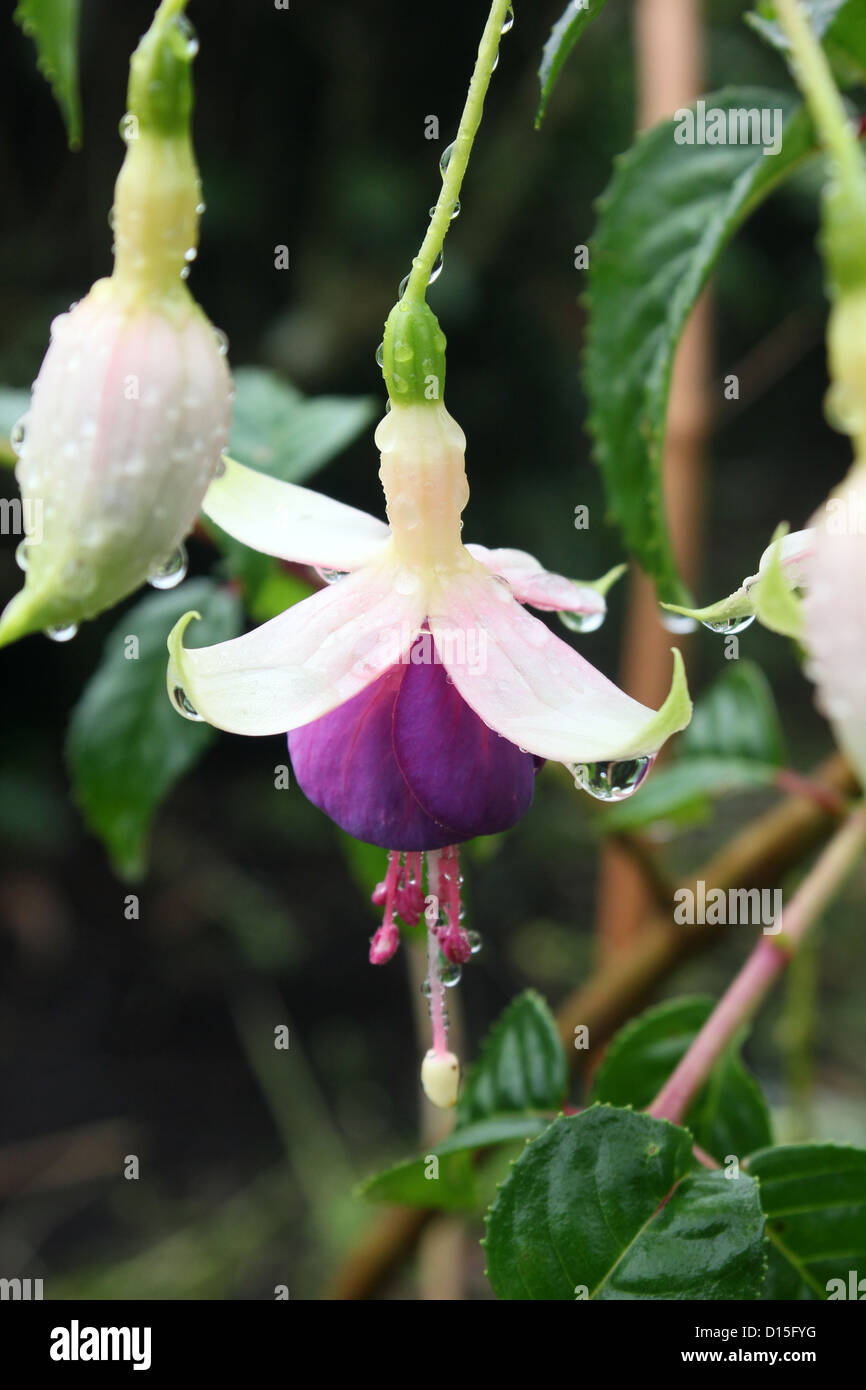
(130, 411)
(448, 202)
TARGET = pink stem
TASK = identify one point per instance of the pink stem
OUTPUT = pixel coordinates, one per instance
(766, 962)
(437, 989)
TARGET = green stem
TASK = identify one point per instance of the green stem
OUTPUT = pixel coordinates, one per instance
(816, 79)
(431, 246)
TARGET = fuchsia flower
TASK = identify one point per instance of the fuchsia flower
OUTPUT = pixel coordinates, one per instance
(418, 693)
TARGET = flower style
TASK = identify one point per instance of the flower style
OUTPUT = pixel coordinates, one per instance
(418, 693)
(130, 411)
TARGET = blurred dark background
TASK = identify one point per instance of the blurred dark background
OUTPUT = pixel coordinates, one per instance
(152, 1036)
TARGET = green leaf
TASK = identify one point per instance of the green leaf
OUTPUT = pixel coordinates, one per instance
(581, 1210)
(814, 1197)
(127, 746)
(521, 1067)
(664, 219)
(578, 14)
(448, 1184)
(734, 741)
(13, 405)
(681, 793)
(417, 1182)
(736, 718)
(839, 24)
(278, 430)
(53, 27)
(728, 1116)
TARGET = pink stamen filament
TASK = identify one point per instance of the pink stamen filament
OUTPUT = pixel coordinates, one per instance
(437, 989)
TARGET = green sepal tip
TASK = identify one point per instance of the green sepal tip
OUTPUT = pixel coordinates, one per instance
(413, 354)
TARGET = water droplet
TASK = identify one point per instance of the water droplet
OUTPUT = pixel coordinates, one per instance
(201, 208)
(401, 288)
(220, 469)
(380, 352)
(16, 437)
(190, 254)
(184, 274)
(495, 64)
(611, 781)
(111, 218)
(582, 622)
(508, 21)
(677, 623)
(427, 989)
(62, 632)
(222, 341)
(455, 209)
(184, 705)
(331, 576)
(436, 270)
(22, 558)
(186, 28)
(171, 572)
(729, 626)
(445, 158)
(475, 942)
(450, 973)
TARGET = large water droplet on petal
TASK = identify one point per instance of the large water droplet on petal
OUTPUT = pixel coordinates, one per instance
(380, 352)
(729, 626)
(611, 781)
(184, 705)
(582, 622)
(171, 572)
(62, 632)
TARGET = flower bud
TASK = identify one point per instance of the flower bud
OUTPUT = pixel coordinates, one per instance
(130, 411)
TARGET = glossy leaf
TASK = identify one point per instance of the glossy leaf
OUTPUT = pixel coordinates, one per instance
(581, 1216)
(814, 1197)
(127, 746)
(664, 219)
(53, 26)
(521, 1067)
(575, 18)
(728, 1116)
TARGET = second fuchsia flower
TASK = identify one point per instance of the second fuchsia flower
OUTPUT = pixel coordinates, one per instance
(418, 693)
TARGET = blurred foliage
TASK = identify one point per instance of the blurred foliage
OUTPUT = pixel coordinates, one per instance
(310, 129)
